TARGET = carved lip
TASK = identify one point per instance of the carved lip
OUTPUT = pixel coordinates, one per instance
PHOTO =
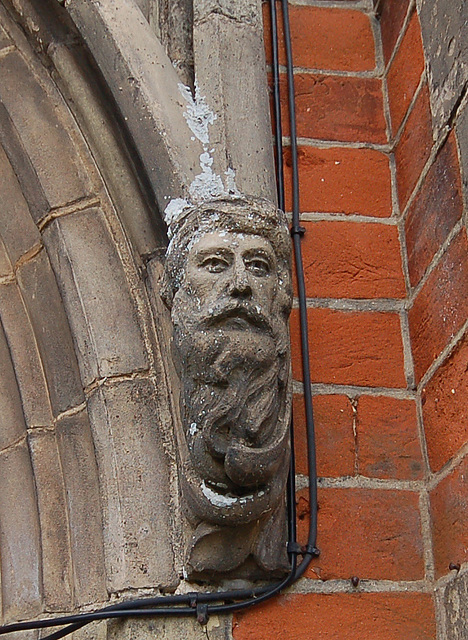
(222, 497)
(239, 317)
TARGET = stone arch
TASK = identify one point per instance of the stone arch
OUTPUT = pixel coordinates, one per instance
(85, 435)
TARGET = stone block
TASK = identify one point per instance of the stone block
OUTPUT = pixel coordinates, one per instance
(52, 332)
(60, 170)
(6, 268)
(4, 39)
(54, 522)
(129, 439)
(175, 628)
(22, 166)
(81, 480)
(230, 64)
(18, 231)
(444, 27)
(247, 11)
(96, 295)
(19, 537)
(455, 598)
(12, 425)
(25, 355)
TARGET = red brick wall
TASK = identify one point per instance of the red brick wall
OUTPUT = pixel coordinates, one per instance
(385, 256)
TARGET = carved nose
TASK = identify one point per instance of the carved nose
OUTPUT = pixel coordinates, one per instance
(240, 287)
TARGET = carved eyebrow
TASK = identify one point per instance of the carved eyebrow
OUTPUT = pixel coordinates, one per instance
(259, 253)
(213, 252)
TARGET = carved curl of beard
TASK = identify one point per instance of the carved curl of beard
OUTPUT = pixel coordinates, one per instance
(234, 370)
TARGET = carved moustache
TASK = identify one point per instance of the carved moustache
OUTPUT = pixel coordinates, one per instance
(226, 310)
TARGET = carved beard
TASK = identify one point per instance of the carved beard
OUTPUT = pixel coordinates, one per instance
(234, 371)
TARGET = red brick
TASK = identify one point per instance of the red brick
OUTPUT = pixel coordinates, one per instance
(370, 533)
(405, 73)
(435, 210)
(441, 307)
(445, 407)
(339, 616)
(323, 38)
(352, 260)
(392, 17)
(414, 147)
(342, 180)
(387, 438)
(449, 512)
(333, 418)
(336, 108)
(352, 347)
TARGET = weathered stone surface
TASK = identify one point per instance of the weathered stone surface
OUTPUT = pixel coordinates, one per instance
(4, 39)
(5, 265)
(12, 425)
(43, 135)
(29, 371)
(456, 607)
(81, 481)
(227, 283)
(146, 89)
(96, 294)
(145, 228)
(230, 68)
(175, 28)
(17, 229)
(248, 11)
(166, 628)
(22, 166)
(19, 536)
(134, 478)
(53, 518)
(51, 331)
(444, 27)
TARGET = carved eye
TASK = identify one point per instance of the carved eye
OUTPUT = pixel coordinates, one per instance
(215, 264)
(258, 266)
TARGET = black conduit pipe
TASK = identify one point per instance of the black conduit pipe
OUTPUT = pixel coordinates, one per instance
(202, 605)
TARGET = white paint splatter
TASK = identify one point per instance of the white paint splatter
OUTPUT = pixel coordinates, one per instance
(207, 184)
(174, 209)
(198, 114)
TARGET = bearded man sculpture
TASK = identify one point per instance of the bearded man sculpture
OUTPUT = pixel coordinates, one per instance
(227, 284)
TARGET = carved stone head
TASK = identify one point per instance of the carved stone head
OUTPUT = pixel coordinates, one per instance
(227, 284)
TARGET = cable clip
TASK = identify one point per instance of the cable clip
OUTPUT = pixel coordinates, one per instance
(202, 613)
(294, 548)
(193, 599)
(298, 231)
(311, 550)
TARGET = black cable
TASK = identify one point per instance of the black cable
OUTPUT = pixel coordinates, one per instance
(201, 604)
